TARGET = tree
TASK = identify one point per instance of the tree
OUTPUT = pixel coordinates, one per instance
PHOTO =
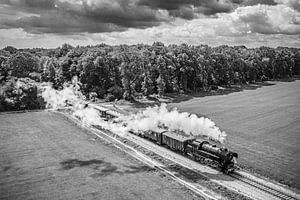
(22, 64)
(127, 82)
(48, 66)
(19, 94)
(65, 48)
(3, 69)
(147, 85)
(161, 85)
(10, 49)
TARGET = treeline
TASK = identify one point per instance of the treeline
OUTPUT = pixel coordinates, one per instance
(115, 72)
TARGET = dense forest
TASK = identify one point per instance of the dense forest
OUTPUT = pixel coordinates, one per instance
(116, 72)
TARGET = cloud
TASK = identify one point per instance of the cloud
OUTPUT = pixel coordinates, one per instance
(279, 19)
(175, 7)
(59, 23)
(295, 4)
(270, 25)
(70, 16)
(94, 16)
(65, 17)
(212, 22)
(256, 2)
(30, 5)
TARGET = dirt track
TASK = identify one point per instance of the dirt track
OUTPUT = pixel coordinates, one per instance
(262, 125)
(45, 156)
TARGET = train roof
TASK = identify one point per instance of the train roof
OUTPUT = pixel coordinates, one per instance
(108, 111)
(113, 113)
(176, 136)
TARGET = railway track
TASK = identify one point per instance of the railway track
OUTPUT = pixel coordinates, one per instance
(144, 159)
(275, 192)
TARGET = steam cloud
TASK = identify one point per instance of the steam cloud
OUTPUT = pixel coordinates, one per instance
(71, 97)
(156, 118)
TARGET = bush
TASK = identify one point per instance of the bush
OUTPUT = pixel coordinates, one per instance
(93, 96)
(35, 76)
(19, 94)
(109, 97)
(116, 91)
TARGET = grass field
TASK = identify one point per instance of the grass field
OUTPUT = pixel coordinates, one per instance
(263, 126)
(45, 156)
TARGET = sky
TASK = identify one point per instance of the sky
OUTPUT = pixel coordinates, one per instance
(51, 23)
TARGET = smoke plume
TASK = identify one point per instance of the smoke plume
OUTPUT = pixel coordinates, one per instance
(70, 97)
(157, 118)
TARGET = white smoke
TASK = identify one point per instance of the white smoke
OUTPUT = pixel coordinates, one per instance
(156, 118)
(71, 97)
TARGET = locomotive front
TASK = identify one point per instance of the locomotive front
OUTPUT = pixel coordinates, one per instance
(227, 159)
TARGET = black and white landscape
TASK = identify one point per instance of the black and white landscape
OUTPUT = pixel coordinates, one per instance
(149, 99)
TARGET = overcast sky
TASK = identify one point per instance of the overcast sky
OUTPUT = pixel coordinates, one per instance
(50, 23)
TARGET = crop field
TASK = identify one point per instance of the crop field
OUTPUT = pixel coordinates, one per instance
(45, 156)
(263, 126)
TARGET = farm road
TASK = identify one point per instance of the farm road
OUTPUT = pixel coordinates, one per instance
(45, 156)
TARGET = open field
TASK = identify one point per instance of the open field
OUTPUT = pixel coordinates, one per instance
(263, 126)
(45, 156)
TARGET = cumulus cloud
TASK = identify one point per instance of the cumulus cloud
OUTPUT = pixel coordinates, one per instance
(145, 21)
(176, 7)
(292, 3)
(69, 16)
(66, 17)
(269, 25)
(57, 22)
(30, 5)
(279, 19)
(256, 2)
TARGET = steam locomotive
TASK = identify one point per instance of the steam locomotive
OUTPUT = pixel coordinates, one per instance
(198, 149)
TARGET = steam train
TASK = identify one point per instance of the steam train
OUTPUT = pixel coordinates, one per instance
(198, 149)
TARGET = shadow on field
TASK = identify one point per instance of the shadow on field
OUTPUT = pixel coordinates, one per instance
(103, 168)
(220, 91)
(72, 163)
(6, 168)
(177, 98)
(153, 102)
(137, 169)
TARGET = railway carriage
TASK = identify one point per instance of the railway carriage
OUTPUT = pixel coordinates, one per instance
(103, 113)
(175, 141)
(110, 115)
(106, 113)
(154, 136)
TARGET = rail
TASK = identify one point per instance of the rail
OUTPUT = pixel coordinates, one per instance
(275, 192)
